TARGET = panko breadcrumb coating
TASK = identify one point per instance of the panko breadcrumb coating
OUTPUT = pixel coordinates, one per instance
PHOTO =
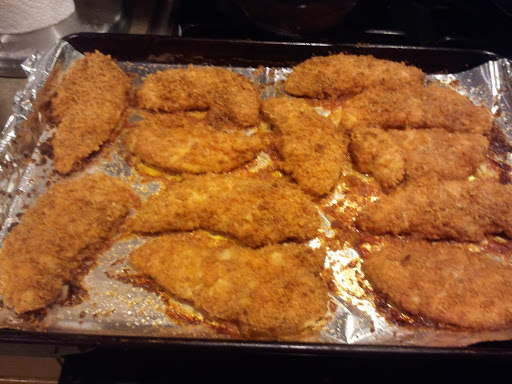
(418, 156)
(312, 147)
(345, 75)
(459, 210)
(416, 106)
(268, 292)
(443, 282)
(182, 143)
(257, 212)
(61, 231)
(224, 93)
(87, 108)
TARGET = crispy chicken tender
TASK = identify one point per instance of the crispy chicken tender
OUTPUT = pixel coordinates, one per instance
(416, 106)
(312, 146)
(375, 152)
(268, 292)
(342, 75)
(223, 92)
(418, 156)
(460, 210)
(87, 108)
(257, 212)
(443, 282)
(182, 143)
(58, 234)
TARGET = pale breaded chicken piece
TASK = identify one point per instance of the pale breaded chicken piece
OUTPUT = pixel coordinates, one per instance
(443, 282)
(82, 132)
(416, 106)
(257, 212)
(267, 292)
(459, 210)
(57, 235)
(182, 143)
(375, 152)
(417, 156)
(223, 92)
(346, 75)
(87, 108)
(312, 147)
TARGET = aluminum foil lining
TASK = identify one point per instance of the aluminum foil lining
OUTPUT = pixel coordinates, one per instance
(115, 306)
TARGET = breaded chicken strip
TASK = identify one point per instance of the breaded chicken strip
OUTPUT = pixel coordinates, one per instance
(87, 108)
(443, 282)
(183, 143)
(57, 235)
(268, 292)
(418, 156)
(312, 147)
(258, 212)
(416, 106)
(341, 75)
(223, 92)
(460, 210)
(375, 152)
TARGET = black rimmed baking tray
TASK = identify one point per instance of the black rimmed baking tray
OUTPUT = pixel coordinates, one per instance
(167, 50)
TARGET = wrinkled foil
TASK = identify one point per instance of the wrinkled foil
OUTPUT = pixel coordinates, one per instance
(114, 306)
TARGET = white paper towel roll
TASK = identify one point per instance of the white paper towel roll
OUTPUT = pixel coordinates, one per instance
(21, 16)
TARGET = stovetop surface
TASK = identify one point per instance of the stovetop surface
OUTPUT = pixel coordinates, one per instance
(477, 24)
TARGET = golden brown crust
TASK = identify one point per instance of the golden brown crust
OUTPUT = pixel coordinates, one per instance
(258, 212)
(340, 75)
(312, 146)
(87, 108)
(443, 282)
(183, 143)
(61, 230)
(417, 156)
(225, 93)
(268, 292)
(416, 106)
(460, 210)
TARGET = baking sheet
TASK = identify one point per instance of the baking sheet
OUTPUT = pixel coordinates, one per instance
(115, 304)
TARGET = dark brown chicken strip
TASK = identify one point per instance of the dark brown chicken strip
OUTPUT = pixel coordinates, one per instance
(312, 146)
(269, 292)
(258, 212)
(460, 210)
(60, 232)
(443, 282)
(87, 108)
(183, 143)
(223, 92)
(417, 156)
(416, 107)
(342, 75)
